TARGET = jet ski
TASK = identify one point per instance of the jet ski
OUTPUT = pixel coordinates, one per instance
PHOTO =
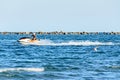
(27, 40)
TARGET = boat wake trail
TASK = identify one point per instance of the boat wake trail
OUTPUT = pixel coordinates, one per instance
(82, 43)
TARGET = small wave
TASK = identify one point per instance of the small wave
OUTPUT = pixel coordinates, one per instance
(22, 69)
(114, 67)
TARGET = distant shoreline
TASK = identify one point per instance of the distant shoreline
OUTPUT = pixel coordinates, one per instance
(64, 33)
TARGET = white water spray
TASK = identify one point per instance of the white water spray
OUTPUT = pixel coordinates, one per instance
(82, 43)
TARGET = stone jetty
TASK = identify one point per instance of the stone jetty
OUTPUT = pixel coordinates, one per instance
(63, 33)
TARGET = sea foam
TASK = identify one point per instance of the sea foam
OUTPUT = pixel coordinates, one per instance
(22, 69)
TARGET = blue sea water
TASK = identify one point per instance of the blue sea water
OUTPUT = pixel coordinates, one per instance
(60, 57)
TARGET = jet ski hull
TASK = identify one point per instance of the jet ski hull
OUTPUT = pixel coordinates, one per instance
(27, 40)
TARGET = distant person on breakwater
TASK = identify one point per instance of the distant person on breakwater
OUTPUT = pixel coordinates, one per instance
(34, 36)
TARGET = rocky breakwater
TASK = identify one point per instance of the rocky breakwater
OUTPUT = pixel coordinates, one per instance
(63, 33)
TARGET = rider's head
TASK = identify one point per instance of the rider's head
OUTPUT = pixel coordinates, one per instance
(34, 34)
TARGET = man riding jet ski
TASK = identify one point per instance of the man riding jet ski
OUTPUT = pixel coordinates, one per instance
(28, 39)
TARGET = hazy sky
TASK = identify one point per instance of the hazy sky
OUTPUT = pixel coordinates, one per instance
(57, 15)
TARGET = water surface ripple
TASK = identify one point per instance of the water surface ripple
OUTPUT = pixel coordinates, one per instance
(60, 57)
